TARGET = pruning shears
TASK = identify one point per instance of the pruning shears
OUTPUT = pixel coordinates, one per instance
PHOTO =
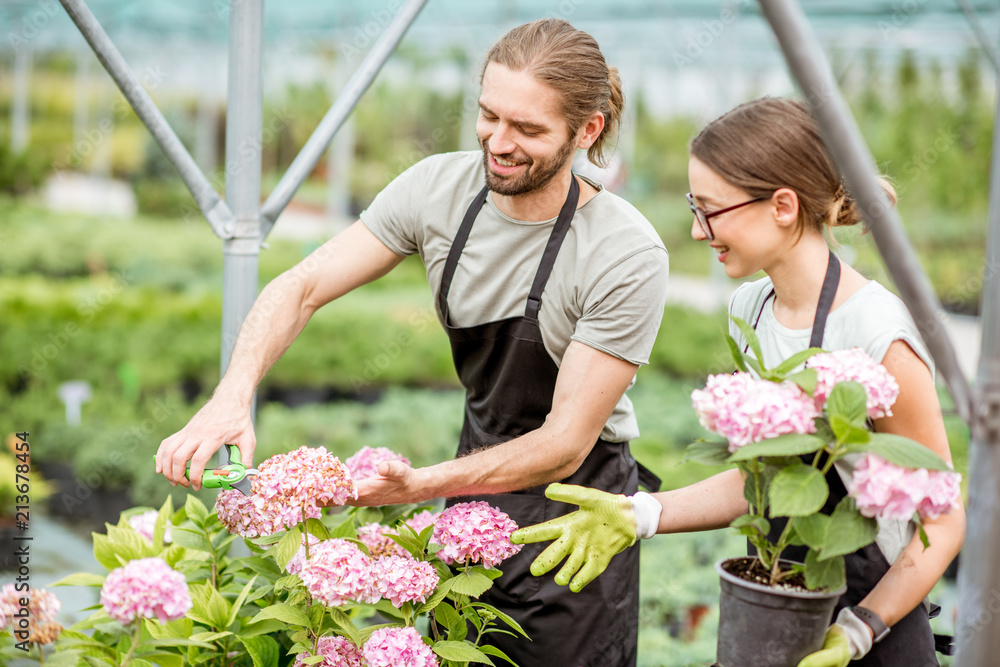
(233, 475)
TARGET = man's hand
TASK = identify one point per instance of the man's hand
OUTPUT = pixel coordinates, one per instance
(395, 484)
(219, 422)
(591, 536)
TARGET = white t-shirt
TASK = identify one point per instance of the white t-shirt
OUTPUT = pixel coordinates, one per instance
(871, 318)
(607, 288)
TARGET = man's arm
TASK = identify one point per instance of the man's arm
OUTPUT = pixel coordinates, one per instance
(350, 259)
(588, 387)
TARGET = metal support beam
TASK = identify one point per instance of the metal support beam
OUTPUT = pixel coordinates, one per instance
(310, 154)
(208, 200)
(243, 167)
(979, 578)
(812, 72)
(984, 40)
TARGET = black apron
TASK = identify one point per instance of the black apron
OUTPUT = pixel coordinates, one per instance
(509, 379)
(911, 643)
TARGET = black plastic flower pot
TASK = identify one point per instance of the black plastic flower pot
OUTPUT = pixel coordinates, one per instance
(762, 626)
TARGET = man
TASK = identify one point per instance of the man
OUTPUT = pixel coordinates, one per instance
(548, 322)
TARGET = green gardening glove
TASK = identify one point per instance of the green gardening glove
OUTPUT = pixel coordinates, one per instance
(836, 651)
(591, 536)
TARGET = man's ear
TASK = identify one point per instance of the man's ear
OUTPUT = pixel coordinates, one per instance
(592, 129)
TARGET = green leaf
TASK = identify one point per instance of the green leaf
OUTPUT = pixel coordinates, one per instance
(104, 552)
(345, 529)
(287, 547)
(709, 453)
(283, 612)
(472, 584)
(387, 609)
(806, 379)
(752, 523)
(848, 432)
(346, 626)
(847, 530)
(796, 360)
(811, 529)
(195, 511)
(827, 574)
(750, 487)
(514, 625)
(791, 444)
(238, 604)
(737, 353)
(434, 600)
(263, 650)
(267, 626)
(756, 367)
(460, 652)
(414, 546)
(81, 579)
(905, 452)
(751, 338)
(317, 528)
(848, 400)
(162, 519)
(494, 651)
(451, 620)
(178, 641)
(798, 490)
(190, 539)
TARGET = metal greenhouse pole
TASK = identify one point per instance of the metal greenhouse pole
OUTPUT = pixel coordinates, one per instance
(978, 631)
(979, 609)
(238, 220)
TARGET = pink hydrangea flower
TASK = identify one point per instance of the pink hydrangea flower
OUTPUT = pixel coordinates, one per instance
(145, 524)
(375, 536)
(336, 651)
(398, 647)
(288, 486)
(475, 532)
(338, 572)
(743, 409)
(364, 463)
(400, 579)
(421, 520)
(145, 588)
(885, 490)
(294, 566)
(43, 605)
(854, 365)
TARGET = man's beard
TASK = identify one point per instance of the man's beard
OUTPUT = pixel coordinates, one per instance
(535, 176)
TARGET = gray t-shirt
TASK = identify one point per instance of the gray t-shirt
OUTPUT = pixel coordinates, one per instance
(607, 288)
(871, 318)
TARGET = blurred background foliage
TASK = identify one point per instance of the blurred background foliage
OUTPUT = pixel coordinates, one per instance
(133, 306)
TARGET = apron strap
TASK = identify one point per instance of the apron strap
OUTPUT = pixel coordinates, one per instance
(457, 246)
(826, 295)
(548, 256)
(552, 249)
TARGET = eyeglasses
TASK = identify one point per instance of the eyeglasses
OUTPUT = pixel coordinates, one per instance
(703, 216)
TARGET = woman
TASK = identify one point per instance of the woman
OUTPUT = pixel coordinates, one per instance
(764, 193)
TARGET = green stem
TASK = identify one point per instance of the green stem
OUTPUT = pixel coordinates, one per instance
(135, 642)
(779, 547)
(41, 655)
(305, 533)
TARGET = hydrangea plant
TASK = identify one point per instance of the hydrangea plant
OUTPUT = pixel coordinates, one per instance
(309, 592)
(785, 428)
